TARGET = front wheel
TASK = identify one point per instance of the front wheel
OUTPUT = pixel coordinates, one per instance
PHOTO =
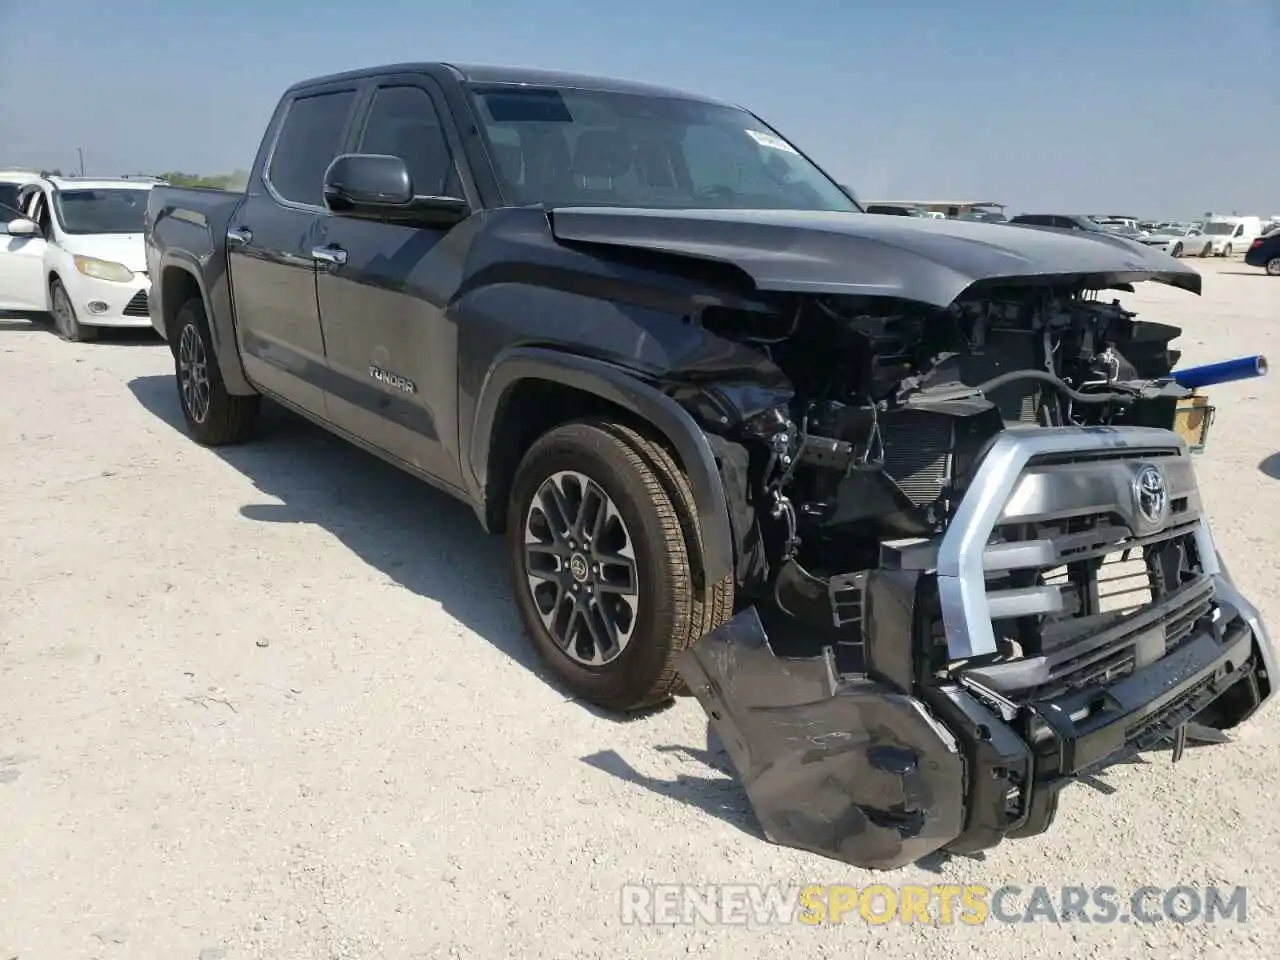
(214, 416)
(1273, 267)
(601, 561)
(1227, 252)
(1177, 250)
(65, 322)
(1208, 249)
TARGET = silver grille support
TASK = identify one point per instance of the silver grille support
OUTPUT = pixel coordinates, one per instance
(1007, 488)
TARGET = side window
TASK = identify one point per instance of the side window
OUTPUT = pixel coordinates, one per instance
(309, 140)
(1239, 230)
(403, 123)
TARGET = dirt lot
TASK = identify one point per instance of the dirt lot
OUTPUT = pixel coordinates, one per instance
(274, 703)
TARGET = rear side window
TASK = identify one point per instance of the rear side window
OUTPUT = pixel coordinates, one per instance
(309, 140)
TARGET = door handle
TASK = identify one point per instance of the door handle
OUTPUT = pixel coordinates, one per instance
(239, 235)
(329, 254)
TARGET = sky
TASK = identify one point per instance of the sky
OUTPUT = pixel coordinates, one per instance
(1145, 107)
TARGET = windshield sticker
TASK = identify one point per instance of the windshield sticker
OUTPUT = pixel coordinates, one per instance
(770, 141)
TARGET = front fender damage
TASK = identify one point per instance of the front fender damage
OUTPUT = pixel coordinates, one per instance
(845, 767)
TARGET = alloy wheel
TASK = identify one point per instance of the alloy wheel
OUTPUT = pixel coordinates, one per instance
(581, 568)
(193, 374)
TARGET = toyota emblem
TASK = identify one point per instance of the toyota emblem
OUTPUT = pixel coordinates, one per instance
(1151, 495)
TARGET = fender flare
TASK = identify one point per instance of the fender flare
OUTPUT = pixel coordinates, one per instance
(224, 340)
(618, 386)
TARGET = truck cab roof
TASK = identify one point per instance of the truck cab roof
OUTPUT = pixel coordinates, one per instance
(523, 76)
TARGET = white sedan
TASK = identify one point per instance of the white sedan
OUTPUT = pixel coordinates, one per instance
(1188, 242)
(77, 251)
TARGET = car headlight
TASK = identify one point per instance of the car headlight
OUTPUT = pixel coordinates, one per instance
(103, 269)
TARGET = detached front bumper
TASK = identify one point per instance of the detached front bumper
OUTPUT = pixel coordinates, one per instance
(855, 769)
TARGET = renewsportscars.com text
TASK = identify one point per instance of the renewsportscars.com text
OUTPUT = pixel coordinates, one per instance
(942, 904)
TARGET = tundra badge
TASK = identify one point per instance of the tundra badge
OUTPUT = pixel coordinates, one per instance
(391, 379)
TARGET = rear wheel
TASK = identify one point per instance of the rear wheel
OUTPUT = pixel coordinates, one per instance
(602, 561)
(1227, 251)
(65, 322)
(1273, 267)
(214, 416)
(1208, 249)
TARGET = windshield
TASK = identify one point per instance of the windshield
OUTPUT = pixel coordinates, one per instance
(584, 147)
(1124, 229)
(101, 211)
(9, 194)
(1219, 229)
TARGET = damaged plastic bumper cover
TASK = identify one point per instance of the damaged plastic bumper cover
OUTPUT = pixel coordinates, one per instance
(852, 769)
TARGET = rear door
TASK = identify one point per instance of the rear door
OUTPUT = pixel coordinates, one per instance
(383, 292)
(269, 244)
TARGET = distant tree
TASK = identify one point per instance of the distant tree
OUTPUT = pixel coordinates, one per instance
(236, 180)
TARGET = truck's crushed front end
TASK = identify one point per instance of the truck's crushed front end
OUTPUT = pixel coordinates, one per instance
(982, 569)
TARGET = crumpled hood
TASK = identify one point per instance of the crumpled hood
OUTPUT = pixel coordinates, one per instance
(927, 260)
(126, 248)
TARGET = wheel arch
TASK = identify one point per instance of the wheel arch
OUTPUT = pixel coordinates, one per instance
(178, 282)
(561, 387)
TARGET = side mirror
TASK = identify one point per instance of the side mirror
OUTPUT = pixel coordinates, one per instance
(378, 187)
(22, 227)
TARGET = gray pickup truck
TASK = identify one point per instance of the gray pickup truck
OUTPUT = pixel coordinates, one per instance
(862, 485)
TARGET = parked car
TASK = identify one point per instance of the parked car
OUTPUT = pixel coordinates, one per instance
(77, 252)
(1178, 241)
(1124, 226)
(683, 389)
(893, 210)
(983, 216)
(1265, 252)
(1230, 235)
(1060, 221)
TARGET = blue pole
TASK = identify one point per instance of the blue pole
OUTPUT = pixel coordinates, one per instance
(1225, 371)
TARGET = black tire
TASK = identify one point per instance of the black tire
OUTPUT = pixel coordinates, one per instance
(214, 416)
(1273, 267)
(1228, 250)
(1177, 250)
(712, 603)
(670, 612)
(65, 322)
(1208, 249)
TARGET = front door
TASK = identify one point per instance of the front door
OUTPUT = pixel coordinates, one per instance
(22, 286)
(269, 244)
(383, 293)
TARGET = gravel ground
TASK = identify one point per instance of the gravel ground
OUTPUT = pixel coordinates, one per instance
(274, 703)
